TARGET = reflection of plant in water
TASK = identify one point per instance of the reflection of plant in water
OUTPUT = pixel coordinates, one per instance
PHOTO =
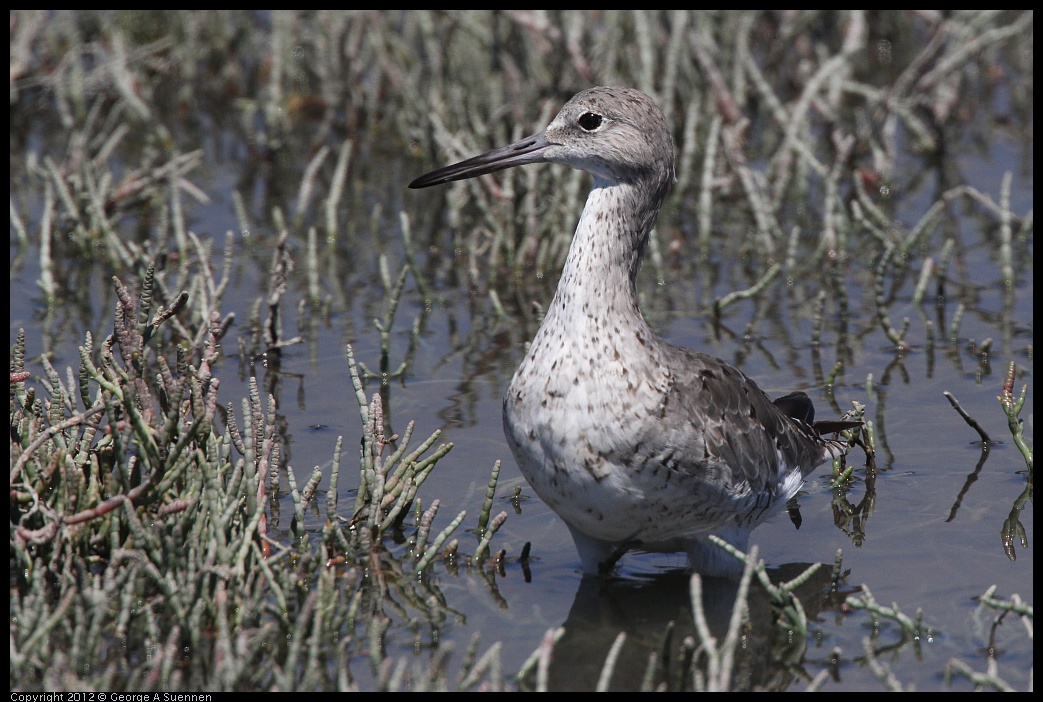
(1012, 530)
(990, 679)
(848, 517)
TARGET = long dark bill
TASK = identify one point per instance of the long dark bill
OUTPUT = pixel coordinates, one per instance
(528, 150)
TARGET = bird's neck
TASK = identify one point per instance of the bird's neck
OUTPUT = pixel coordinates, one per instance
(600, 273)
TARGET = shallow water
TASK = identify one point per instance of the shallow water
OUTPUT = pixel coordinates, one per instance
(925, 534)
(931, 538)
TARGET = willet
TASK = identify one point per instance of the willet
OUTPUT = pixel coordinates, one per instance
(633, 441)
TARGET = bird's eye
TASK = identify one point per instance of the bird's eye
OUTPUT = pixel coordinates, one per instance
(590, 121)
